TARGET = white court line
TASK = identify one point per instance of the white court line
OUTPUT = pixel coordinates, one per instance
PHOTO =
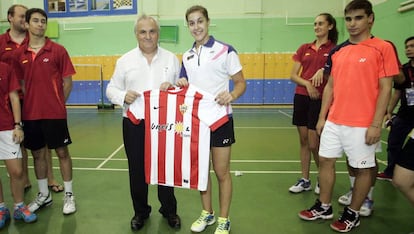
(233, 161)
(110, 156)
(385, 163)
(284, 113)
(271, 161)
(99, 169)
(211, 171)
(284, 172)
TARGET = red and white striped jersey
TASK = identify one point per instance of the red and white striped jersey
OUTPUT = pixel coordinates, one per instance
(177, 134)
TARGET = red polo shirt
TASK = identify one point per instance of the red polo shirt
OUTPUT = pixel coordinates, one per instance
(312, 60)
(43, 77)
(8, 83)
(7, 46)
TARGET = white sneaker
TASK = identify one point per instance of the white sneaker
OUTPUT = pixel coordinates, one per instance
(317, 189)
(40, 201)
(300, 186)
(346, 198)
(367, 207)
(203, 221)
(69, 205)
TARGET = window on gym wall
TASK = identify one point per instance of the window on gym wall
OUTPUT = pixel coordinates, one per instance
(73, 8)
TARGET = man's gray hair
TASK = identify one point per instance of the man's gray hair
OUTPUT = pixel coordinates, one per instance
(145, 17)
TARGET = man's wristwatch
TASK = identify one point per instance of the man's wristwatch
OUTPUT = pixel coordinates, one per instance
(20, 124)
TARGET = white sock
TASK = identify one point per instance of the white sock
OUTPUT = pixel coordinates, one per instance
(352, 180)
(325, 206)
(371, 190)
(356, 212)
(2, 204)
(17, 205)
(68, 186)
(43, 189)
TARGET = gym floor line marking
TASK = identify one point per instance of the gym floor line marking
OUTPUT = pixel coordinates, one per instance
(284, 113)
(110, 156)
(211, 171)
(233, 161)
(284, 172)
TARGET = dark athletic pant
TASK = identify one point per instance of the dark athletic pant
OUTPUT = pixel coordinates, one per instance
(134, 140)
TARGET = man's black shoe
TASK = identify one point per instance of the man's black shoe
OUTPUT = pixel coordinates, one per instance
(137, 222)
(174, 221)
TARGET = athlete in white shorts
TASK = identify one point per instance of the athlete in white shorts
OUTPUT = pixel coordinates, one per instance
(355, 98)
(8, 148)
(11, 154)
(11, 135)
(339, 139)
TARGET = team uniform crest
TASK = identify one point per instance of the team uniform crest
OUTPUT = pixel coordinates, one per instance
(183, 108)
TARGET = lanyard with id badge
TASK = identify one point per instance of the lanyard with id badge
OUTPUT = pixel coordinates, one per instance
(409, 92)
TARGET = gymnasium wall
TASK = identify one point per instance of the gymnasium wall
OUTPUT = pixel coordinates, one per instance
(264, 32)
(267, 78)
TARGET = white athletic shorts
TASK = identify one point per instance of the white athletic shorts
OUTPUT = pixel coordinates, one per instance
(339, 139)
(9, 149)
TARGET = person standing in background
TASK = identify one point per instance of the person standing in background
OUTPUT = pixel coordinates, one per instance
(368, 205)
(11, 135)
(360, 79)
(145, 67)
(307, 73)
(404, 170)
(12, 39)
(209, 65)
(15, 37)
(403, 121)
(46, 73)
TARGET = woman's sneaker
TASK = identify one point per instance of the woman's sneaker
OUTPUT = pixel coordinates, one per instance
(300, 186)
(223, 226)
(203, 221)
(24, 214)
(348, 220)
(4, 216)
